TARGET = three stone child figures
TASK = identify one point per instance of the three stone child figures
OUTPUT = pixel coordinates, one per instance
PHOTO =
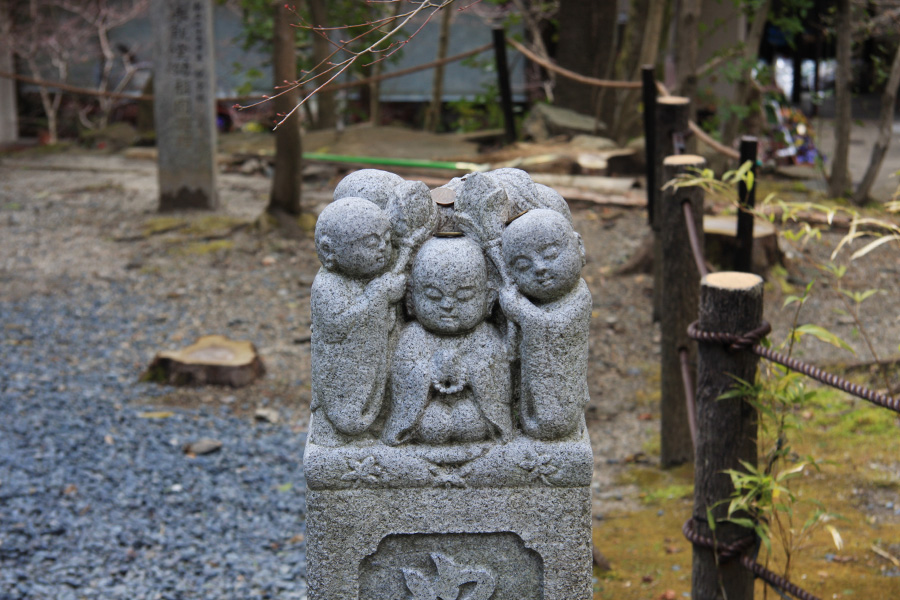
(448, 316)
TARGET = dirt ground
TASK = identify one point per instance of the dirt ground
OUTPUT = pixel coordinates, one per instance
(77, 217)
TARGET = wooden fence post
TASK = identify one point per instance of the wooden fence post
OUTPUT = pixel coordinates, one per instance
(743, 260)
(680, 286)
(730, 302)
(648, 80)
(671, 123)
(506, 102)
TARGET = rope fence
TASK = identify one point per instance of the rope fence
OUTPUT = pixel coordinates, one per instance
(750, 341)
(735, 344)
(544, 62)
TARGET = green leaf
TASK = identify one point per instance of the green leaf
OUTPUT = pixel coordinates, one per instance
(824, 335)
(743, 522)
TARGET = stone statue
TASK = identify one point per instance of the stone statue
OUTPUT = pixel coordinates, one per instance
(449, 377)
(353, 317)
(552, 305)
(447, 454)
(374, 185)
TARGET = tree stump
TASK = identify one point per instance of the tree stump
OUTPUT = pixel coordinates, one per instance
(721, 243)
(212, 359)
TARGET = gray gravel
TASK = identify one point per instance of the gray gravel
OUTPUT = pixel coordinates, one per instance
(99, 501)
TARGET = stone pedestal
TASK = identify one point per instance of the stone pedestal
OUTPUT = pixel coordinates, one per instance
(503, 521)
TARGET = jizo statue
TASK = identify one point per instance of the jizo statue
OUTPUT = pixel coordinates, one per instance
(494, 323)
(447, 454)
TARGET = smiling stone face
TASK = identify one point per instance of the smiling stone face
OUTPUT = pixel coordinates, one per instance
(544, 254)
(449, 286)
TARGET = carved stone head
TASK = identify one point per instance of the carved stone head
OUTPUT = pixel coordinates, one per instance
(353, 237)
(450, 286)
(544, 254)
(374, 185)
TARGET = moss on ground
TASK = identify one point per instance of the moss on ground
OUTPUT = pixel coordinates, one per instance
(856, 446)
(202, 248)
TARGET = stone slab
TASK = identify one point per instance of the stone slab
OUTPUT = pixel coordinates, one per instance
(521, 462)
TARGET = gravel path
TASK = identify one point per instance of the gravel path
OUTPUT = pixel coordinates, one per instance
(100, 501)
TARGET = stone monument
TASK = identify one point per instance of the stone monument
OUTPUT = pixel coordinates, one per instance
(184, 103)
(447, 456)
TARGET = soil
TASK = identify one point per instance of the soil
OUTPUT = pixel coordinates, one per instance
(80, 216)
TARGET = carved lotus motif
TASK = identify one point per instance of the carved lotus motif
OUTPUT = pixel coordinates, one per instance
(539, 467)
(450, 576)
(362, 471)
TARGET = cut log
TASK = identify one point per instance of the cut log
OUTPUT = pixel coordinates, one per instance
(720, 236)
(212, 359)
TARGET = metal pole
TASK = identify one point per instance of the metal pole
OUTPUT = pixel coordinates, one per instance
(743, 260)
(503, 81)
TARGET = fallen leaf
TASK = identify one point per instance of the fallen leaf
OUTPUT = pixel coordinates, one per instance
(647, 579)
(668, 595)
(645, 417)
(296, 539)
(156, 414)
(843, 559)
(108, 439)
(70, 489)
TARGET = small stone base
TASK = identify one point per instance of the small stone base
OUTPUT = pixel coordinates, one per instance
(523, 543)
(526, 534)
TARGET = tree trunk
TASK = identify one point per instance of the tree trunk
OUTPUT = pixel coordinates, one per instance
(626, 118)
(744, 88)
(885, 132)
(587, 41)
(377, 70)
(687, 49)
(322, 49)
(433, 114)
(840, 177)
(288, 177)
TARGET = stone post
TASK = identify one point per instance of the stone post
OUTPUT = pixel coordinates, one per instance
(9, 122)
(184, 104)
